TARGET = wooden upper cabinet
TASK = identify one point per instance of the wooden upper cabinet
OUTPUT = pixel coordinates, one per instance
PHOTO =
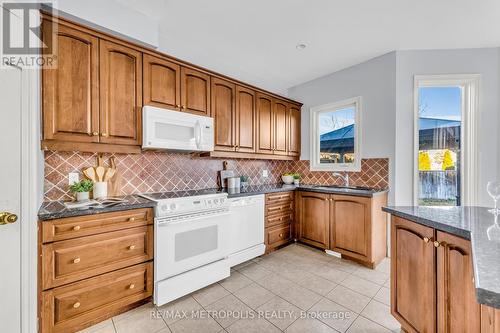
(280, 110)
(70, 93)
(245, 129)
(458, 309)
(265, 124)
(195, 91)
(120, 94)
(413, 276)
(162, 82)
(350, 225)
(224, 114)
(314, 218)
(294, 130)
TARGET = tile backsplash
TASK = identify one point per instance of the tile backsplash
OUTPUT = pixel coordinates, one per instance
(165, 171)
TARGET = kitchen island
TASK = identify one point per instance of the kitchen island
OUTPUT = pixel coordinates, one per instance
(445, 273)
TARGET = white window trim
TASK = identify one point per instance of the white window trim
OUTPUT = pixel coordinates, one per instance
(468, 159)
(315, 111)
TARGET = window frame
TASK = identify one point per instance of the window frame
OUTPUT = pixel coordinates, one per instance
(314, 135)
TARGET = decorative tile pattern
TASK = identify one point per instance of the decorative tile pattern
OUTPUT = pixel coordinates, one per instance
(167, 171)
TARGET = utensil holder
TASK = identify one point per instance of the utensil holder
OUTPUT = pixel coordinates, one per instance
(100, 190)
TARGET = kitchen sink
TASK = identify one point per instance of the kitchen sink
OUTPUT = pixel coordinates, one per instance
(335, 187)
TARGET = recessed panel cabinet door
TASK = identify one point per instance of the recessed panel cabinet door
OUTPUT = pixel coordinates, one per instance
(265, 124)
(121, 94)
(245, 120)
(294, 130)
(162, 82)
(314, 218)
(413, 276)
(223, 112)
(458, 309)
(280, 109)
(350, 225)
(195, 91)
(71, 91)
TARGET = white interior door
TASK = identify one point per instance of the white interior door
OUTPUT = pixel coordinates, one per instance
(10, 199)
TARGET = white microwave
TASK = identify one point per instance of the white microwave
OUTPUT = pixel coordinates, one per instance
(175, 130)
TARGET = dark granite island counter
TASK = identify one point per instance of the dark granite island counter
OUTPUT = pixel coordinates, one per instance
(476, 224)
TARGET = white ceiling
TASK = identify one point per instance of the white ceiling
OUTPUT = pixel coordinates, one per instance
(255, 40)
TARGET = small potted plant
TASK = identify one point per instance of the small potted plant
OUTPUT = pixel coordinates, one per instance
(82, 189)
(296, 179)
(244, 181)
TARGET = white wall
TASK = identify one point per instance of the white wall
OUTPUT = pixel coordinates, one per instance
(468, 61)
(375, 81)
(116, 17)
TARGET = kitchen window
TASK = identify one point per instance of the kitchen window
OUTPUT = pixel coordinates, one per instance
(336, 136)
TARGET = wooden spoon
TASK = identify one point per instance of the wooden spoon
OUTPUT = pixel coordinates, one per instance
(90, 174)
(100, 170)
(109, 174)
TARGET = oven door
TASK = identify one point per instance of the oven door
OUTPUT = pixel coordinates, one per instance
(185, 242)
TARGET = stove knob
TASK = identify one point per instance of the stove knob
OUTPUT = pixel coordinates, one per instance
(216, 201)
(173, 206)
(164, 208)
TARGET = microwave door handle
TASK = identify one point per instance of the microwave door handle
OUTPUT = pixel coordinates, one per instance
(197, 134)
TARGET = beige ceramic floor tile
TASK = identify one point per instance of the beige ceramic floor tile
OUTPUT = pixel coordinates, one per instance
(275, 283)
(333, 314)
(330, 273)
(371, 275)
(317, 284)
(235, 281)
(279, 312)
(310, 326)
(384, 266)
(361, 286)
(255, 271)
(203, 324)
(252, 325)
(363, 325)
(254, 295)
(227, 310)
(178, 309)
(387, 283)
(381, 314)
(103, 327)
(210, 294)
(344, 265)
(348, 298)
(140, 320)
(384, 296)
(300, 297)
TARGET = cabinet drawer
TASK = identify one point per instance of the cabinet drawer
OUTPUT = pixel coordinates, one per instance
(273, 198)
(278, 235)
(72, 260)
(279, 209)
(72, 307)
(279, 219)
(73, 227)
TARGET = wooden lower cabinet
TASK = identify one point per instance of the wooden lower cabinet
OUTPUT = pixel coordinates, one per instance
(351, 225)
(93, 267)
(432, 288)
(279, 219)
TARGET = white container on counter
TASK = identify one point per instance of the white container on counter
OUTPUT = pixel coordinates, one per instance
(233, 182)
(100, 190)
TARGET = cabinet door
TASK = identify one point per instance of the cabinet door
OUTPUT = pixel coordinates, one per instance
(195, 92)
(280, 110)
(314, 218)
(293, 130)
(265, 124)
(413, 276)
(223, 112)
(245, 120)
(162, 82)
(121, 94)
(458, 309)
(70, 92)
(350, 225)
(490, 319)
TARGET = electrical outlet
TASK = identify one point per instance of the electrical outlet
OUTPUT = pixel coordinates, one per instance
(73, 177)
(265, 174)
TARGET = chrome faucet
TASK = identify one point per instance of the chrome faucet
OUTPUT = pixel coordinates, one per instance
(344, 177)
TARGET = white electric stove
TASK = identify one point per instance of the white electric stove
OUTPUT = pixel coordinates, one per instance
(192, 242)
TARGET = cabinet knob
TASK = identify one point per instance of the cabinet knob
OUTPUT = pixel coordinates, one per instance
(76, 260)
(437, 244)
(76, 305)
(178, 105)
(281, 235)
(76, 228)
(95, 134)
(132, 219)
(104, 134)
(426, 239)
(131, 247)
(184, 107)
(132, 286)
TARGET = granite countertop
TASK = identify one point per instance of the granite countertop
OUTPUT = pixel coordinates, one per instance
(478, 225)
(361, 192)
(57, 209)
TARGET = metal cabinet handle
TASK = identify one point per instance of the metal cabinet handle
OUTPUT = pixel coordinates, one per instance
(76, 260)
(104, 134)
(94, 134)
(76, 228)
(426, 239)
(132, 219)
(437, 244)
(131, 247)
(76, 305)
(281, 235)
(132, 286)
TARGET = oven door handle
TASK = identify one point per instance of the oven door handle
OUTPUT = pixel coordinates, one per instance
(173, 221)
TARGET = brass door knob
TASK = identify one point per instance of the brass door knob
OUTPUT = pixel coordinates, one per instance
(76, 305)
(7, 218)
(76, 228)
